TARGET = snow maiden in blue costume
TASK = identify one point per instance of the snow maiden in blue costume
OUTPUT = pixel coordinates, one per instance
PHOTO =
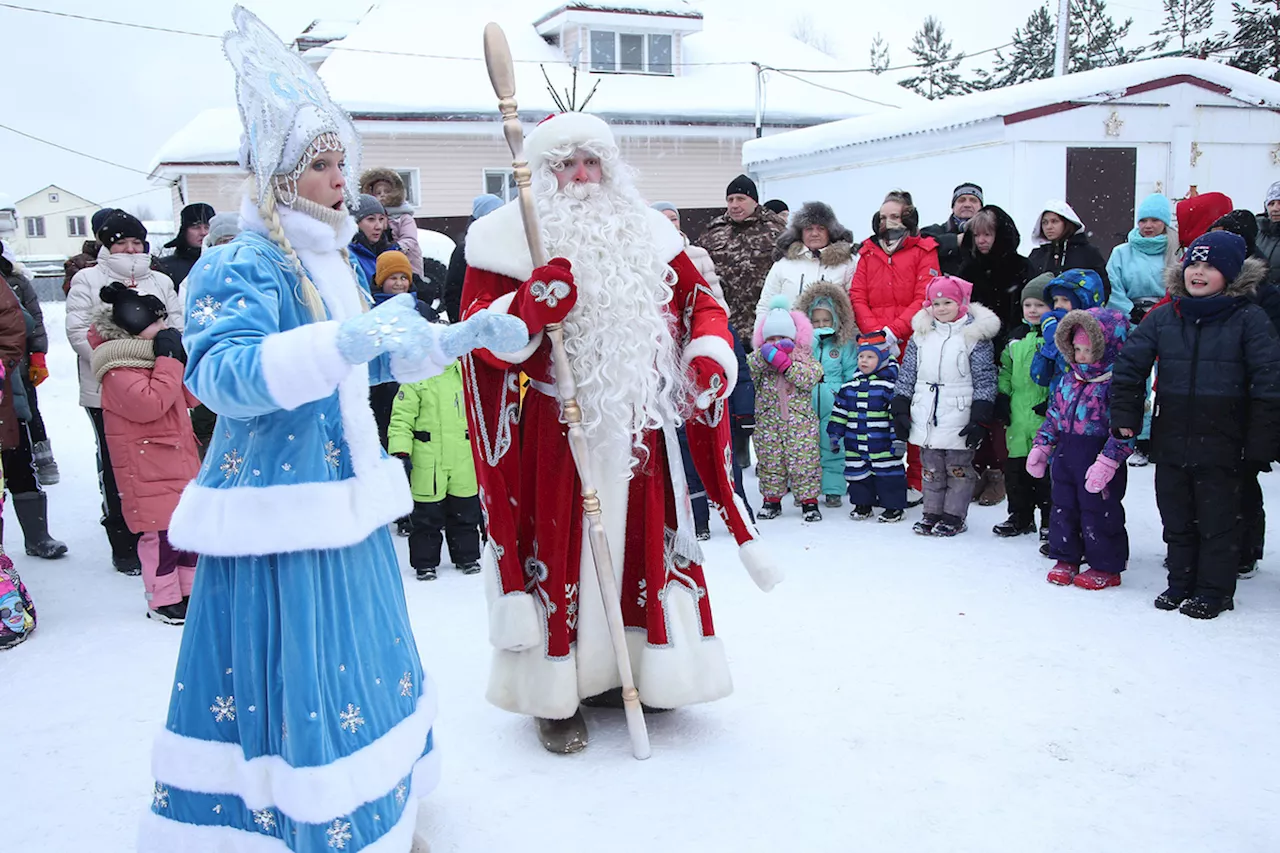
(300, 717)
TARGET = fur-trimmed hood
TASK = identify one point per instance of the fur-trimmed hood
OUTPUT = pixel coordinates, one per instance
(981, 323)
(107, 328)
(1252, 274)
(814, 213)
(1107, 328)
(831, 255)
(369, 177)
(837, 298)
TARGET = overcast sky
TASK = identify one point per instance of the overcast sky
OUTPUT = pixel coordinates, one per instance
(119, 93)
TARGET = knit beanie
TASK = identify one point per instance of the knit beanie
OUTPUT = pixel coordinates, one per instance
(661, 206)
(95, 222)
(1080, 337)
(874, 342)
(778, 322)
(777, 205)
(1197, 214)
(119, 226)
(391, 262)
(1156, 206)
(368, 206)
(130, 310)
(192, 214)
(1273, 193)
(1222, 250)
(1240, 222)
(483, 205)
(742, 185)
(967, 189)
(222, 226)
(1035, 288)
(950, 287)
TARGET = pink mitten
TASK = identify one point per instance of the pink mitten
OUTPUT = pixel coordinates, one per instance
(1038, 461)
(775, 356)
(1099, 474)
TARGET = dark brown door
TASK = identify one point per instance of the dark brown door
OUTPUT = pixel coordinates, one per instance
(1100, 188)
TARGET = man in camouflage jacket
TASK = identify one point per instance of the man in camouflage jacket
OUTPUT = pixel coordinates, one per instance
(741, 243)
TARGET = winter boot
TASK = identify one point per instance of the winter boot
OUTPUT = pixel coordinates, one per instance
(915, 497)
(1170, 599)
(563, 737)
(1063, 573)
(469, 568)
(46, 468)
(771, 509)
(861, 512)
(403, 526)
(1206, 606)
(1044, 549)
(1138, 459)
(949, 526)
(925, 525)
(1014, 526)
(833, 501)
(890, 515)
(32, 509)
(979, 486)
(993, 492)
(426, 573)
(741, 440)
(1248, 570)
(811, 511)
(170, 614)
(1096, 579)
(127, 566)
(703, 533)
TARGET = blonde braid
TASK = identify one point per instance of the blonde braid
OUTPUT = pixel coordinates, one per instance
(306, 292)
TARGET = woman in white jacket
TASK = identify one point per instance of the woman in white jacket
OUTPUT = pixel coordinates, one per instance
(815, 247)
(124, 258)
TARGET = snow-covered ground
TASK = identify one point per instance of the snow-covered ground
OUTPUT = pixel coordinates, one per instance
(894, 694)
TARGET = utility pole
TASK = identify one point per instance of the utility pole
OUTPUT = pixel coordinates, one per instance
(1064, 40)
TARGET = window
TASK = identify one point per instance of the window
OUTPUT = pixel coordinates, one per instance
(630, 53)
(53, 198)
(76, 227)
(35, 226)
(502, 183)
(410, 178)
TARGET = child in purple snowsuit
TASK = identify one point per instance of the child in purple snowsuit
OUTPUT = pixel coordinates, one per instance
(1089, 474)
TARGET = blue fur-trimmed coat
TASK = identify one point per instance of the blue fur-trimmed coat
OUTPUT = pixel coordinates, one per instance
(862, 423)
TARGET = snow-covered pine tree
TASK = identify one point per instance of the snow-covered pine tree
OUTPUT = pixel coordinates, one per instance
(1030, 56)
(1257, 42)
(1095, 36)
(879, 55)
(1183, 21)
(936, 77)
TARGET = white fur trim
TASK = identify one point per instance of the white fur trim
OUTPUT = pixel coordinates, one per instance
(515, 622)
(159, 834)
(407, 372)
(307, 794)
(497, 243)
(570, 128)
(303, 364)
(760, 565)
(716, 349)
(502, 305)
(305, 233)
(1059, 207)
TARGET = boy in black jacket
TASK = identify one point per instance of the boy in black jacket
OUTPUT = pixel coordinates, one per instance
(1217, 417)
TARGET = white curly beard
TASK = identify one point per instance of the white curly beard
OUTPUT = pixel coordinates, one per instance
(619, 335)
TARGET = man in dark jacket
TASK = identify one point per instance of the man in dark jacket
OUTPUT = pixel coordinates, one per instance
(1217, 416)
(189, 242)
(966, 199)
(1269, 234)
(451, 300)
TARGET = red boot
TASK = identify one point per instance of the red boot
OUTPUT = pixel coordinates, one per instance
(1063, 573)
(1095, 579)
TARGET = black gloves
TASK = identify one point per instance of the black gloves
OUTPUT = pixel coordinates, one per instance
(168, 342)
(900, 410)
(1004, 409)
(1041, 409)
(974, 434)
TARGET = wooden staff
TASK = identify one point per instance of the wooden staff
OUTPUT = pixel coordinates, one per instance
(497, 57)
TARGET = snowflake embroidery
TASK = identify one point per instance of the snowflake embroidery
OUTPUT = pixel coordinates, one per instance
(351, 719)
(240, 303)
(571, 605)
(406, 684)
(644, 593)
(206, 310)
(231, 463)
(332, 453)
(265, 819)
(402, 793)
(160, 797)
(224, 710)
(339, 833)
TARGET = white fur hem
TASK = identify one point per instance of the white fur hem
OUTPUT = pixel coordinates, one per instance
(515, 622)
(159, 834)
(760, 565)
(408, 372)
(716, 349)
(294, 517)
(502, 305)
(307, 794)
(303, 364)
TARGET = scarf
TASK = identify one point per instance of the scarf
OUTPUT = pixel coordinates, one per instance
(1206, 309)
(128, 268)
(328, 215)
(1148, 245)
(891, 239)
(123, 352)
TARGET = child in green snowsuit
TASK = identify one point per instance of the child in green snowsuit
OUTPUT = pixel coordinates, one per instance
(835, 348)
(1025, 401)
(429, 429)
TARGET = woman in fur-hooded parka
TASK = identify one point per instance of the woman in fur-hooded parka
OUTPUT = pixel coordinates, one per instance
(836, 351)
(404, 230)
(796, 267)
(786, 435)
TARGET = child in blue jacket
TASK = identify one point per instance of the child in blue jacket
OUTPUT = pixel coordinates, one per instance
(1073, 289)
(862, 424)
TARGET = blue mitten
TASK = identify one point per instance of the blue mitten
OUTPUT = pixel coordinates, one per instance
(384, 329)
(484, 330)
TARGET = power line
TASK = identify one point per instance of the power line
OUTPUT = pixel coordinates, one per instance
(829, 88)
(74, 151)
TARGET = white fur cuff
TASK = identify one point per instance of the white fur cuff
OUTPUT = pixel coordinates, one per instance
(760, 565)
(515, 623)
(303, 364)
(716, 349)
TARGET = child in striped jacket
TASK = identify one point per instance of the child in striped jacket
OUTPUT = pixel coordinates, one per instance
(860, 420)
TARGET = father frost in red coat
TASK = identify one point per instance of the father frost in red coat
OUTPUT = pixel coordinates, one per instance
(650, 349)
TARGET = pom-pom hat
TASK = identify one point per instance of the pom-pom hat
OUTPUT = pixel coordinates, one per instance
(130, 310)
(778, 321)
(950, 287)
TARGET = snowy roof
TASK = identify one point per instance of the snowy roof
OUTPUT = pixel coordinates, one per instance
(676, 8)
(1097, 86)
(213, 136)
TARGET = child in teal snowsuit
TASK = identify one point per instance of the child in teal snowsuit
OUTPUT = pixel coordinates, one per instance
(835, 348)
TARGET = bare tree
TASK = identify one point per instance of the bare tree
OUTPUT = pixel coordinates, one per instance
(805, 29)
(143, 212)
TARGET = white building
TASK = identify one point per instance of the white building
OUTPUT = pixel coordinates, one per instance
(680, 89)
(1101, 139)
(52, 225)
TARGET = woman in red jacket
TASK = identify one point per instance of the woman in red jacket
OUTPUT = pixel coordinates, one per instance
(894, 267)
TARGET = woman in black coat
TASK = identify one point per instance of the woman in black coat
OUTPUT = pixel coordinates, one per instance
(991, 263)
(1062, 243)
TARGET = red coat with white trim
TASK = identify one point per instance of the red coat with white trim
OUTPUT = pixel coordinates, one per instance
(531, 498)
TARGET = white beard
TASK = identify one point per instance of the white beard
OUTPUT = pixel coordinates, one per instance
(619, 335)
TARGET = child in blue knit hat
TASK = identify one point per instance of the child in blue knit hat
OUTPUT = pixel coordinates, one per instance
(1074, 289)
(862, 424)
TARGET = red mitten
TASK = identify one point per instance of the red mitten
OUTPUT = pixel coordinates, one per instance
(37, 371)
(709, 380)
(547, 297)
